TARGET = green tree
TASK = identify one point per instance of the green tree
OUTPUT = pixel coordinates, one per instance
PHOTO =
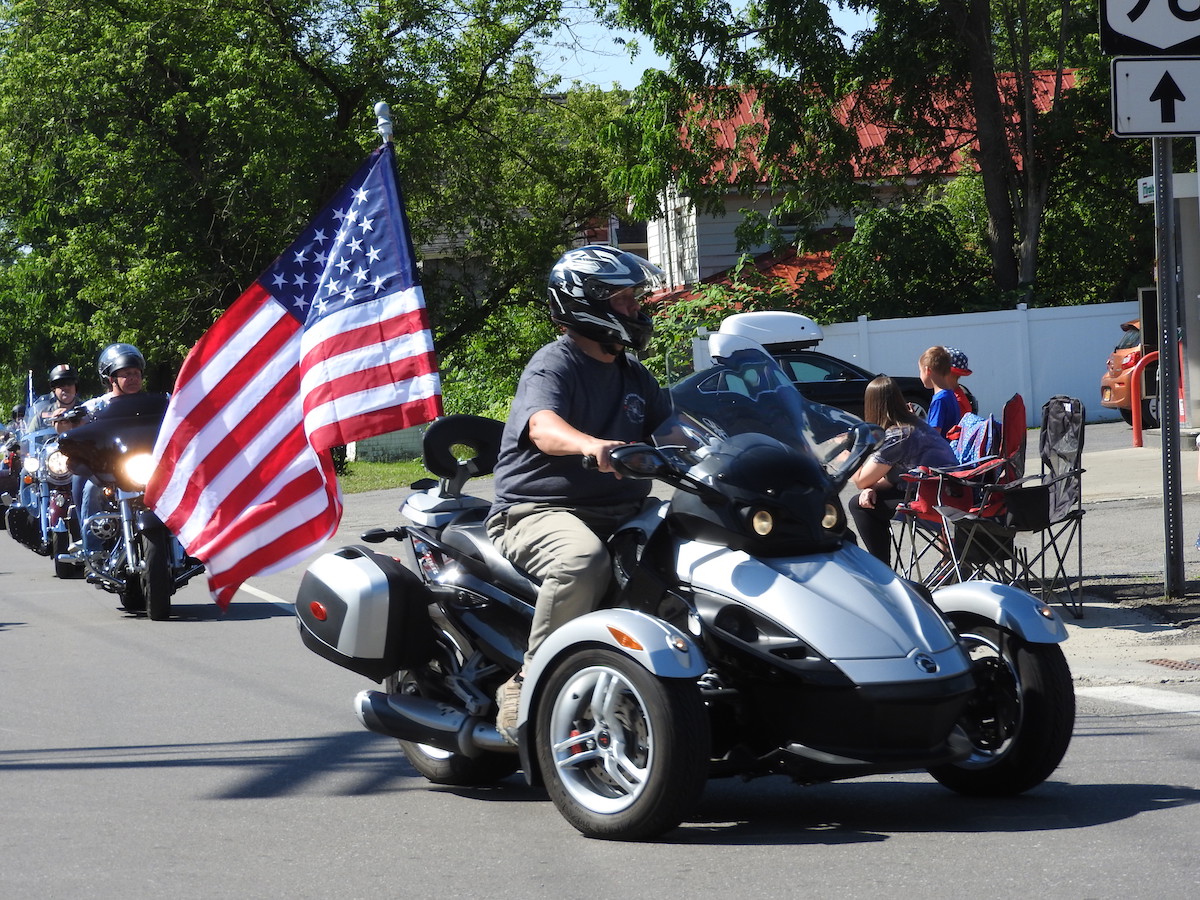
(156, 155)
(940, 78)
(906, 261)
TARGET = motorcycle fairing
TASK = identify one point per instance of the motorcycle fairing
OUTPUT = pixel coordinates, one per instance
(1007, 606)
(846, 605)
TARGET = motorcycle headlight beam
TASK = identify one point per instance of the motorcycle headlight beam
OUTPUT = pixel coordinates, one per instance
(30, 464)
(56, 463)
(139, 467)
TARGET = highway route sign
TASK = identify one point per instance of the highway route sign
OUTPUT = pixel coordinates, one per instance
(1157, 96)
(1149, 27)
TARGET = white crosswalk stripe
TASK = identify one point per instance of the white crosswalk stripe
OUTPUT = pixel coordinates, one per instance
(1151, 698)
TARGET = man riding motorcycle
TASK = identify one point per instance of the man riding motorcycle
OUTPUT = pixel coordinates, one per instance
(120, 367)
(64, 381)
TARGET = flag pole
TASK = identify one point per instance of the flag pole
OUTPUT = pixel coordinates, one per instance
(384, 124)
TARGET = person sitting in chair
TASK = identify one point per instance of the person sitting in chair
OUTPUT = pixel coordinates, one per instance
(908, 443)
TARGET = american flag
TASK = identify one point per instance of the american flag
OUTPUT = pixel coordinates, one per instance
(330, 345)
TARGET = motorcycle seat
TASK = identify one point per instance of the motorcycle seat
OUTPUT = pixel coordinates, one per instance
(472, 541)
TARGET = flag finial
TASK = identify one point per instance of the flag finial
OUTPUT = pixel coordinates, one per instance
(384, 125)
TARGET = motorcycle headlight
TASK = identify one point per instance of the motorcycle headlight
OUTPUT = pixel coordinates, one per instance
(762, 522)
(30, 464)
(138, 468)
(830, 519)
(56, 464)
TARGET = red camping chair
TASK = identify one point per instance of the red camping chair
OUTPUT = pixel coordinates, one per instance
(935, 542)
(1046, 509)
(1027, 531)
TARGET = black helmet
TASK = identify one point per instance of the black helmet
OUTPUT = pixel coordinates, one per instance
(18, 411)
(583, 280)
(63, 374)
(116, 357)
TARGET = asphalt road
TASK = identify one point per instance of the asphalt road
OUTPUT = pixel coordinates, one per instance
(213, 756)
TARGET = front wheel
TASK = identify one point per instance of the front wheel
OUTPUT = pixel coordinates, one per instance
(624, 754)
(155, 577)
(1020, 718)
(60, 543)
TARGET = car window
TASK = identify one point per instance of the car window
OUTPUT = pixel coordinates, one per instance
(1131, 338)
(816, 368)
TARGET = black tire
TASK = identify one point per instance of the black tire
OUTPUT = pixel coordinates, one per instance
(1149, 414)
(155, 579)
(133, 599)
(1150, 418)
(631, 770)
(1020, 720)
(60, 542)
(442, 766)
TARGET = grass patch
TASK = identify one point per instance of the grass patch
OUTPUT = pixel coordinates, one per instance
(378, 476)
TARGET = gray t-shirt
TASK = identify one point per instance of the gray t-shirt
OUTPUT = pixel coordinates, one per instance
(612, 401)
(905, 447)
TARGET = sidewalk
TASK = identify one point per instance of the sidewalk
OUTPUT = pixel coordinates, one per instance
(1133, 473)
(1121, 642)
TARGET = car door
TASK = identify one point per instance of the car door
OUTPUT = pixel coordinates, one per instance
(826, 379)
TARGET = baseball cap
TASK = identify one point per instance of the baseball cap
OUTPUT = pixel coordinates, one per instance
(958, 361)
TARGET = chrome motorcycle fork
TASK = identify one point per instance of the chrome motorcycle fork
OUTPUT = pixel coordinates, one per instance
(128, 517)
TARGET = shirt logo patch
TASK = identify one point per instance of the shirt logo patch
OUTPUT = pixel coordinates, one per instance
(635, 408)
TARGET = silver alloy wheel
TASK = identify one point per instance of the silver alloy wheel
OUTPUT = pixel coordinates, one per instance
(601, 739)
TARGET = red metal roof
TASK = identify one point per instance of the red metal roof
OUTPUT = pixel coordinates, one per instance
(785, 265)
(872, 135)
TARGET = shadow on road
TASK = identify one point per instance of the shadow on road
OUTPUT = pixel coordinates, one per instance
(866, 812)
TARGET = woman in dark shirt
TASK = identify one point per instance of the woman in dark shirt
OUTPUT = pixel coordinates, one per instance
(908, 443)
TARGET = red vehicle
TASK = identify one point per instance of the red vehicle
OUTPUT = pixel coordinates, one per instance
(1115, 392)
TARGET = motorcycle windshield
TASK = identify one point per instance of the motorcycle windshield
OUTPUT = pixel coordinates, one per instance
(125, 425)
(746, 392)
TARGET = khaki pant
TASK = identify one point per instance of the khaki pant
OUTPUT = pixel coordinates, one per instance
(565, 549)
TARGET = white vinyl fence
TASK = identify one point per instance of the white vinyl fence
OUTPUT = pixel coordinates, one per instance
(1034, 352)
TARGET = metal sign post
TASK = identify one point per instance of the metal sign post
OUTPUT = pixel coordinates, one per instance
(1158, 96)
(1168, 365)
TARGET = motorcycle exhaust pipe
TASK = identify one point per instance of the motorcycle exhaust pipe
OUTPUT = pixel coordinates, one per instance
(412, 718)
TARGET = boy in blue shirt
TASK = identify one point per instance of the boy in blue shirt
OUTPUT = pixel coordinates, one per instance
(934, 366)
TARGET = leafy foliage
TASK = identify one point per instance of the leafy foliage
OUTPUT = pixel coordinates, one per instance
(942, 80)
(906, 261)
(156, 156)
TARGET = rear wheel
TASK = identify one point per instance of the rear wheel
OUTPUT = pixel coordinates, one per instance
(437, 765)
(1020, 719)
(624, 753)
(155, 577)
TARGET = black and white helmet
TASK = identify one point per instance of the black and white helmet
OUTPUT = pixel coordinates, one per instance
(583, 280)
(116, 357)
(63, 374)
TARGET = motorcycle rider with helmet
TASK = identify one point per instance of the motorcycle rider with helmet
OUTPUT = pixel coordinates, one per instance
(16, 425)
(121, 367)
(581, 395)
(64, 381)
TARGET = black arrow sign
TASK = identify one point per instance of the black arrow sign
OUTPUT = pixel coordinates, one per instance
(1167, 93)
